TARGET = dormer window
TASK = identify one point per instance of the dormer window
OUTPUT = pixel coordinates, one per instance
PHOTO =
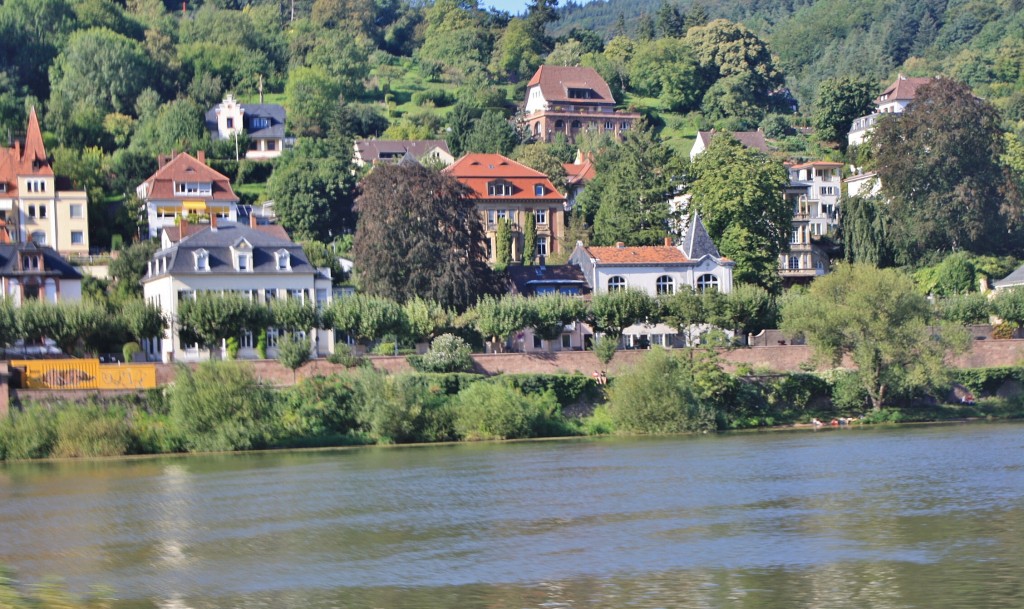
(243, 262)
(499, 188)
(283, 259)
(576, 93)
(260, 122)
(538, 190)
(241, 252)
(193, 188)
(3, 186)
(202, 260)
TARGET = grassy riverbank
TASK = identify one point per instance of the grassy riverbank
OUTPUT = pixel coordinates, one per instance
(221, 406)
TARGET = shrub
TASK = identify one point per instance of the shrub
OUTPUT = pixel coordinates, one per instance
(129, 350)
(604, 348)
(490, 411)
(343, 356)
(448, 353)
(388, 408)
(436, 97)
(92, 430)
(848, 392)
(261, 344)
(29, 433)
(599, 423)
(319, 407)
(221, 406)
(656, 397)
(567, 388)
(1003, 331)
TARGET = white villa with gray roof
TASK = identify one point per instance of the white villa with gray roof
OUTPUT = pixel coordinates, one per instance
(232, 258)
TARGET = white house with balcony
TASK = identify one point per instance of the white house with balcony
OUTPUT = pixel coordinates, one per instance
(257, 261)
(893, 100)
(261, 124)
(184, 185)
(693, 263)
(815, 192)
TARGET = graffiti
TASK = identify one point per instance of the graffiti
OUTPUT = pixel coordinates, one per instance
(84, 374)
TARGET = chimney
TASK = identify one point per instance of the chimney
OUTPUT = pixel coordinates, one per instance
(183, 227)
(253, 222)
(201, 155)
(668, 241)
(620, 245)
(213, 220)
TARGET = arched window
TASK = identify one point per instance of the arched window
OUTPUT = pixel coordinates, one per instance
(559, 125)
(665, 285)
(706, 282)
(794, 263)
(616, 282)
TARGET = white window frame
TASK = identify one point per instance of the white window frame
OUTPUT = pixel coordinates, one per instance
(616, 282)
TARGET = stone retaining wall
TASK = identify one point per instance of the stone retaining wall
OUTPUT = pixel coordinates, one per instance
(779, 358)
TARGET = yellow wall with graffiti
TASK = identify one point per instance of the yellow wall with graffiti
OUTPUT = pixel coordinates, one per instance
(83, 374)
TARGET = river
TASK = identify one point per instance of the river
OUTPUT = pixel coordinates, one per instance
(917, 516)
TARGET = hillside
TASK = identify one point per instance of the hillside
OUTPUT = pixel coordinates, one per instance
(980, 42)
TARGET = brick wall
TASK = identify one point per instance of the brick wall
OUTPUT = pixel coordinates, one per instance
(781, 358)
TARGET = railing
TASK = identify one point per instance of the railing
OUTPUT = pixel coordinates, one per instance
(72, 374)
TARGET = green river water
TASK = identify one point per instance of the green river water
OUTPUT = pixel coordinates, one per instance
(919, 516)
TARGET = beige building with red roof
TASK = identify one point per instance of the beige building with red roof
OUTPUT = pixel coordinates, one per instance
(183, 185)
(577, 175)
(37, 206)
(503, 188)
(749, 139)
(570, 100)
(814, 191)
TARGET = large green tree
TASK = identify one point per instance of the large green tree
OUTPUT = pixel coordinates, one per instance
(628, 200)
(877, 319)
(726, 49)
(667, 69)
(313, 190)
(738, 192)
(419, 234)
(839, 101)
(939, 163)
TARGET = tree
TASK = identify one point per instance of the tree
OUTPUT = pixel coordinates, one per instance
(839, 101)
(460, 126)
(727, 49)
(419, 234)
(213, 318)
(612, 312)
(292, 352)
(670, 20)
(629, 197)
(737, 192)
(518, 52)
(313, 189)
(142, 320)
(492, 133)
(1008, 305)
(311, 95)
(966, 309)
(544, 158)
(176, 125)
(503, 244)
(293, 315)
(864, 226)
(454, 39)
(423, 318)
(9, 332)
(667, 69)
(939, 163)
(553, 312)
(657, 396)
(749, 309)
(877, 319)
(501, 318)
(529, 239)
(683, 310)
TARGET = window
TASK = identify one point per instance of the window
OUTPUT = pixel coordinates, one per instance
(77, 237)
(706, 282)
(541, 216)
(193, 188)
(492, 216)
(32, 211)
(616, 282)
(503, 214)
(542, 246)
(260, 122)
(567, 341)
(546, 289)
(247, 340)
(186, 295)
(489, 244)
(297, 294)
(231, 123)
(625, 126)
(76, 210)
(794, 263)
(794, 237)
(42, 211)
(665, 285)
(609, 126)
(828, 190)
(272, 335)
(569, 291)
(537, 343)
(243, 262)
(202, 260)
(499, 188)
(38, 237)
(284, 261)
(271, 145)
(538, 190)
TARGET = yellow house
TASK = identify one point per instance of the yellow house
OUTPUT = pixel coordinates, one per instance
(37, 206)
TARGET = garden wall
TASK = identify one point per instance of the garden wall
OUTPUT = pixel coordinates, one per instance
(779, 358)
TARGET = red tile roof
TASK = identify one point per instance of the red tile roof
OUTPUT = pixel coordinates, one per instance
(657, 254)
(555, 82)
(24, 161)
(809, 164)
(904, 89)
(478, 170)
(580, 172)
(186, 168)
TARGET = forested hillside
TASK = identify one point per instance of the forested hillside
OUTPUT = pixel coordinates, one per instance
(980, 42)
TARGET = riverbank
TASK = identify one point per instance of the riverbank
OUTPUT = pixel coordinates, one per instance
(225, 406)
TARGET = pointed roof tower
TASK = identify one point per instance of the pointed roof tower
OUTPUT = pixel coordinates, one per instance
(33, 156)
(696, 242)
